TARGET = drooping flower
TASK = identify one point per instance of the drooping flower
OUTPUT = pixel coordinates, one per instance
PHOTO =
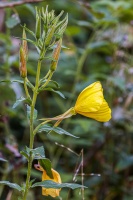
(56, 178)
(91, 103)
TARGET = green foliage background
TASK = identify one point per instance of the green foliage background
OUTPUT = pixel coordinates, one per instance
(99, 38)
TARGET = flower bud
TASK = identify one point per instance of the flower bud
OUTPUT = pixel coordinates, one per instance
(49, 35)
(56, 54)
(24, 43)
(38, 24)
(22, 68)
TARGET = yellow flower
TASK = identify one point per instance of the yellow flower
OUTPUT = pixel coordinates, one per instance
(91, 103)
(56, 178)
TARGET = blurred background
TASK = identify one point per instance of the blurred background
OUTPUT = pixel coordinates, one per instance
(99, 41)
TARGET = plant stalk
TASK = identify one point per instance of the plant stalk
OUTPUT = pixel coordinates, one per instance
(35, 93)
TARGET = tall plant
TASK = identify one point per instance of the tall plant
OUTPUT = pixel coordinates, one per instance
(48, 35)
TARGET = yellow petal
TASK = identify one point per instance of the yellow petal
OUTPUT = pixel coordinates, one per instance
(90, 99)
(102, 115)
(51, 191)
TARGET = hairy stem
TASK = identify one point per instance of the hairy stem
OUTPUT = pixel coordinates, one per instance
(35, 93)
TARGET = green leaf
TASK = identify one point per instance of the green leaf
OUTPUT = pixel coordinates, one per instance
(55, 91)
(118, 82)
(13, 21)
(84, 23)
(58, 130)
(124, 162)
(29, 111)
(37, 153)
(25, 152)
(46, 164)
(52, 184)
(50, 84)
(9, 81)
(18, 81)
(12, 185)
(5, 38)
(98, 44)
(18, 101)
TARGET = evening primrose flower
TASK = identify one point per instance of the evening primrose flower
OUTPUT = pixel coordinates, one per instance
(56, 178)
(91, 103)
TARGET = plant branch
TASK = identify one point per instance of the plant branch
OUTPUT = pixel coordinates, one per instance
(14, 3)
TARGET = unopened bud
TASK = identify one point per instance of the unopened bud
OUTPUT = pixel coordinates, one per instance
(24, 43)
(56, 54)
(22, 68)
(38, 24)
(50, 35)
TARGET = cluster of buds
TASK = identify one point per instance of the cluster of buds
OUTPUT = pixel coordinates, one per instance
(23, 56)
(48, 35)
(49, 30)
(53, 27)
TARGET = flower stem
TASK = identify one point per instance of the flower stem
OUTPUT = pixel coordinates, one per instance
(26, 89)
(32, 131)
(35, 93)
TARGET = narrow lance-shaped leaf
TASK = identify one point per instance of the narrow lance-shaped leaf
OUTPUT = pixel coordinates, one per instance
(58, 130)
(52, 90)
(52, 184)
(11, 185)
(18, 101)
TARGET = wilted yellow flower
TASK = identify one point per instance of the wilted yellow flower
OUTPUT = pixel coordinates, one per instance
(56, 178)
(91, 103)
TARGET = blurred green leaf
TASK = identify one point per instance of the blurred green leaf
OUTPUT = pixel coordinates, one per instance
(18, 101)
(13, 21)
(29, 112)
(11, 185)
(124, 162)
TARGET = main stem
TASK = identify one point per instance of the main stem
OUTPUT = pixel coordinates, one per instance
(35, 93)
